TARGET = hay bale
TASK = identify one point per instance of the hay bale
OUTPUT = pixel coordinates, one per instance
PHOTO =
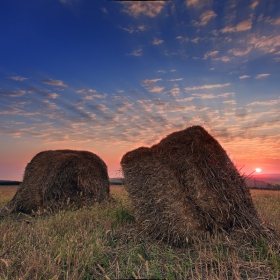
(55, 179)
(186, 186)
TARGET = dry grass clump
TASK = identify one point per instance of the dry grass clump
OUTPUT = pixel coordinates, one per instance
(186, 187)
(55, 179)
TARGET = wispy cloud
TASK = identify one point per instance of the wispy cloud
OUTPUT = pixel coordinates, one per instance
(244, 77)
(262, 76)
(142, 27)
(50, 105)
(157, 41)
(223, 58)
(273, 21)
(231, 102)
(156, 89)
(226, 94)
(268, 44)
(104, 10)
(99, 108)
(180, 52)
(17, 78)
(175, 80)
(95, 95)
(174, 92)
(207, 86)
(197, 3)
(265, 103)
(241, 26)
(84, 91)
(57, 83)
(205, 18)
(9, 111)
(16, 93)
(136, 52)
(134, 29)
(52, 95)
(129, 30)
(195, 40)
(254, 5)
(210, 54)
(150, 81)
(185, 99)
(137, 8)
(207, 96)
(238, 52)
(182, 39)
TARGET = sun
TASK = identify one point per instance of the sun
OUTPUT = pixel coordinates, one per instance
(258, 170)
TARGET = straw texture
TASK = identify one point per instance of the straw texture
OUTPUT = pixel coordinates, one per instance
(56, 179)
(187, 187)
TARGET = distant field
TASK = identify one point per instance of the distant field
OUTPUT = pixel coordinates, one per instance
(8, 188)
(102, 242)
(6, 193)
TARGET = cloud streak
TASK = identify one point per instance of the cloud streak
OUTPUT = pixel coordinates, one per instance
(262, 76)
(137, 8)
(16, 93)
(137, 52)
(156, 89)
(51, 82)
(207, 87)
(267, 44)
(265, 103)
(197, 4)
(210, 54)
(157, 41)
(84, 91)
(244, 77)
(17, 78)
(151, 81)
(241, 26)
(205, 17)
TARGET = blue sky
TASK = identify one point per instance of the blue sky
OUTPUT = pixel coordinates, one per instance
(109, 76)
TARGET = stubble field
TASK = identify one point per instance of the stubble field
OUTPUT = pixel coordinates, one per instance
(102, 242)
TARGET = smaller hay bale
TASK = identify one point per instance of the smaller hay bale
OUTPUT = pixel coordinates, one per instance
(58, 179)
(187, 187)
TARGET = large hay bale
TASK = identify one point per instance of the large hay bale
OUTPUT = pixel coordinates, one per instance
(55, 179)
(186, 186)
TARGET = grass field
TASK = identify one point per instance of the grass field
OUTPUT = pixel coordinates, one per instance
(102, 242)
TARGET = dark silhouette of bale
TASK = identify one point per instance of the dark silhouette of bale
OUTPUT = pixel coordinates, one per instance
(56, 179)
(186, 187)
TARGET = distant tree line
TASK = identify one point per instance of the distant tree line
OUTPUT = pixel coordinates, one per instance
(3, 182)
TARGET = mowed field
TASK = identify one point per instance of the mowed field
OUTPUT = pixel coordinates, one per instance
(103, 242)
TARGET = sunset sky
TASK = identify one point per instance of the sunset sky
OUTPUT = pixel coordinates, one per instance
(108, 77)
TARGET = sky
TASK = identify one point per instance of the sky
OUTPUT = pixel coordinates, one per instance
(112, 76)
